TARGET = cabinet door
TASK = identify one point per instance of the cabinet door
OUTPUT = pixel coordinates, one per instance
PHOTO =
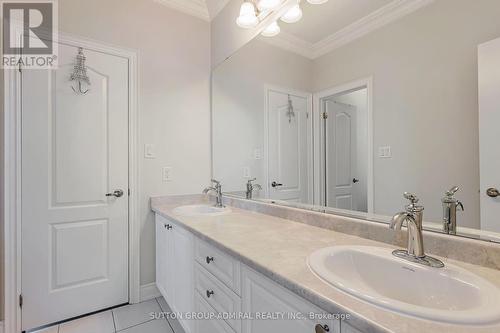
(183, 267)
(161, 254)
(291, 313)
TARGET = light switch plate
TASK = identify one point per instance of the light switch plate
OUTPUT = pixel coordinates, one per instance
(384, 152)
(257, 153)
(166, 174)
(149, 150)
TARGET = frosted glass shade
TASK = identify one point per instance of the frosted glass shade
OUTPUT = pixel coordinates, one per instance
(247, 18)
(272, 30)
(294, 14)
(268, 4)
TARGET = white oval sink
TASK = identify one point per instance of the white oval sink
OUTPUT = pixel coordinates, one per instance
(201, 210)
(449, 294)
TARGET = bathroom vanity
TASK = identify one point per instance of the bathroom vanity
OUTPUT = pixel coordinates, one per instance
(251, 268)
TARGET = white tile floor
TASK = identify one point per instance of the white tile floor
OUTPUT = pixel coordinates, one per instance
(133, 318)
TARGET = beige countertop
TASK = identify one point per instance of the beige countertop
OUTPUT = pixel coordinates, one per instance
(278, 248)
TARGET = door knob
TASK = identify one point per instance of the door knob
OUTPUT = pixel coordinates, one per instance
(321, 328)
(354, 180)
(274, 184)
(117, 193)
(492, 192)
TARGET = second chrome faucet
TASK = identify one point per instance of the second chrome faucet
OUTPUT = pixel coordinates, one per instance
(413, 216)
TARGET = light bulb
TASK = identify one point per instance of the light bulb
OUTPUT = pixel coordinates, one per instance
(272, 30)
(247, 18)
(317, 2)
(294, 14)
(268, 4)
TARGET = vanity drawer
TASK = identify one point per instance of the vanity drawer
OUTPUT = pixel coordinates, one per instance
(225, 268)
(209, 325)
(220, 297)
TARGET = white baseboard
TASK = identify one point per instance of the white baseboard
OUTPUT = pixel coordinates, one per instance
(148, 291)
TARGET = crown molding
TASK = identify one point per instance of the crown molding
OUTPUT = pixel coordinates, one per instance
(375, 20)
(197, 8)
(219, 5)
(291, 43)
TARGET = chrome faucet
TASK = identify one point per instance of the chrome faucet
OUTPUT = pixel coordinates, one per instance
(251, 187)
(413, 216)
(217, 188)
(450, 206)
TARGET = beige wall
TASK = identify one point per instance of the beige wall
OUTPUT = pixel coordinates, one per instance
(174, 109)
(425, 101)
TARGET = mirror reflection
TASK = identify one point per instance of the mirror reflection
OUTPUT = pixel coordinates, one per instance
(361, 101)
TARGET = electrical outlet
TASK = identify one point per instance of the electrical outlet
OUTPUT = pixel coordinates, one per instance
(384, 152)
(246, 172)
(149, 151)
(166, 174)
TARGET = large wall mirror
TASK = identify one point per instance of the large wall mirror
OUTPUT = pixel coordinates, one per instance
(363, 100)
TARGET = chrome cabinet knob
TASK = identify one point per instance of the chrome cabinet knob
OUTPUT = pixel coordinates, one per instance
(274, 184)
(209, 259)
(355, 180)
(492, 192)
(116, 193)
(209, 293)
(321, 328)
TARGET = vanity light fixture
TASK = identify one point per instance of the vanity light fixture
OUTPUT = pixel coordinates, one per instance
(272, 30)
(294, 14)
(248, 17)
(252, 12)
(268, 4)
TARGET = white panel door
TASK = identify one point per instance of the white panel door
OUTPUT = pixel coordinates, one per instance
(489, 120)
(74, 151)
(340, 155)
(288, 143)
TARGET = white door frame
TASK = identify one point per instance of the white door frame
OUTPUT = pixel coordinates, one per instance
(12, 177)
(319, 143)
(309, 97)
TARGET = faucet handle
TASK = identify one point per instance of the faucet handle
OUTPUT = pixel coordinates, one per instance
(412, 197)
(251, 180)
(451, 192)
(216, 182)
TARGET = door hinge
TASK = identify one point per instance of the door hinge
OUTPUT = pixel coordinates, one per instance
(129, 192)
(325, 115)
(21, 300)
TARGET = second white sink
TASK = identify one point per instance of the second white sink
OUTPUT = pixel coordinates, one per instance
(449, 294)
(201, 210)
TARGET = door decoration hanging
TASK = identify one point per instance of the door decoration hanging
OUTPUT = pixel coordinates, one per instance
(79, 74)
(290, 113)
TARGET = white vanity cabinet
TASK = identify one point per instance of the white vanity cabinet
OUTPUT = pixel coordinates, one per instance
(174, 267)
(261, 295)
(196, 277)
